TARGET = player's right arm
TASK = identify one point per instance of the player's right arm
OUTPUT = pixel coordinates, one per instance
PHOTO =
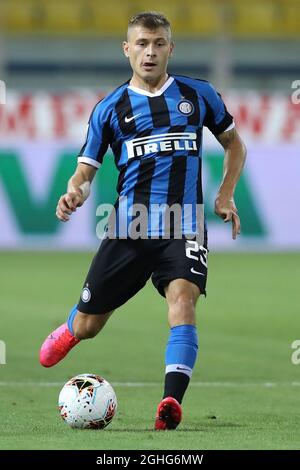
(89, 160)
(78, 191)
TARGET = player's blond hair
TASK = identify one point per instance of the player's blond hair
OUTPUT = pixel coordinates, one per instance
(150, 20)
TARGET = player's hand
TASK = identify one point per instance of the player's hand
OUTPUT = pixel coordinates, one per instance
(226, 209)
(67, 204)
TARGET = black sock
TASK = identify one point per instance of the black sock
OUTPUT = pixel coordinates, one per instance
(176, 384)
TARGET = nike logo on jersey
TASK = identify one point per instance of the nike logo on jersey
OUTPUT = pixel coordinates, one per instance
(196, 272)
(129, 119)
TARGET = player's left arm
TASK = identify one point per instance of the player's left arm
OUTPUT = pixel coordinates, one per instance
(234, 159)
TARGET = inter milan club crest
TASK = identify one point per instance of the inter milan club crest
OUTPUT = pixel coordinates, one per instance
(85, 294)
(185, 107)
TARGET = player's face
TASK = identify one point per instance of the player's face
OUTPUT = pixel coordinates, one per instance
(148, 52)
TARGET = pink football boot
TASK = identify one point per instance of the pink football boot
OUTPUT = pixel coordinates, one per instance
(57, 346)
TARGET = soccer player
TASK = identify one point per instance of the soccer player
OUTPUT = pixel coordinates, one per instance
(153, 124)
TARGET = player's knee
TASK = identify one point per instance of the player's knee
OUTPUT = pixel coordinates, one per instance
(182, 309)
(185, 300)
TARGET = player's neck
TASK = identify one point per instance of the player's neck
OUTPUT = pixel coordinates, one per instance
(150, 85)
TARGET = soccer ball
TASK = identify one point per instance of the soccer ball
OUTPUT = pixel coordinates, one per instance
(87, 401)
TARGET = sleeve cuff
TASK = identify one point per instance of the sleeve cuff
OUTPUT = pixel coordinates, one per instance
(232, 126)
(223, 126)
(89, 161)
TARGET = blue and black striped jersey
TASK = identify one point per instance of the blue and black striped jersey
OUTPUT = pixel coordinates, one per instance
(156, 139)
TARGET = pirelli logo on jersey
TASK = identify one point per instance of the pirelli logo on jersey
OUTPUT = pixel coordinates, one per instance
(160, 143)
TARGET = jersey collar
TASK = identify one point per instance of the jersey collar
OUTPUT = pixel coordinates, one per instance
(148, 93)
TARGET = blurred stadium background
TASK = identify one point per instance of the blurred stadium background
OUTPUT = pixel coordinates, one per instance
(57, 59)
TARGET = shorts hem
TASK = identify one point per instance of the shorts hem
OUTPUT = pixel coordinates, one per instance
(160, 286)
(102, 310)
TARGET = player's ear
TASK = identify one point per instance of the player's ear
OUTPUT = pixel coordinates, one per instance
(125, 48)
(172, 45)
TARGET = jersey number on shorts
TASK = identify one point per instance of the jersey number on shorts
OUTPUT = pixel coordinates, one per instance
(195, 251)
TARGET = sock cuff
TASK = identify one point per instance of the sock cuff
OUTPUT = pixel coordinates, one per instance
(179, 368)
(71, 318)
(184, 328)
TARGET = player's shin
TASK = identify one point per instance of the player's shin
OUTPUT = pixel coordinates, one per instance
(180, 358)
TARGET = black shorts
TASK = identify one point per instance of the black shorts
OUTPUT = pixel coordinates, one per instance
(121, 267)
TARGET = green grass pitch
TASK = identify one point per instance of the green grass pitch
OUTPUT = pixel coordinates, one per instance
(244, 392)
